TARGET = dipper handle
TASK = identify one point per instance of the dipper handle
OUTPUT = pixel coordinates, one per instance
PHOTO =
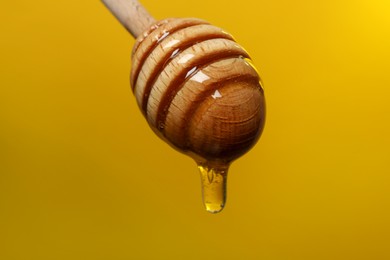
(131, 14)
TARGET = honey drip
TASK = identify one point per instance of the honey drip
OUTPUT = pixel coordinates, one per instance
(213, 180)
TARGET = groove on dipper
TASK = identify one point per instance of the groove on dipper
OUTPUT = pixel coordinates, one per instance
(166, 59)
(176, 84)
(181, 23)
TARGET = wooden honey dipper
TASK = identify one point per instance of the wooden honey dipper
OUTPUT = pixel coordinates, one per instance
(197, 89)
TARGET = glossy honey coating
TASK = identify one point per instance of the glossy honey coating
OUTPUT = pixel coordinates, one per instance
(197, 89)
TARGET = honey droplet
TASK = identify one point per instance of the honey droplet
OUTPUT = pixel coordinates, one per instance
(213, 181)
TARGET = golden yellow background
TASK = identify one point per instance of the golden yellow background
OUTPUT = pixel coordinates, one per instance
(83, 177)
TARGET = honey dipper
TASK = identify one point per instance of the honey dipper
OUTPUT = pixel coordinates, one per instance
(198, 90)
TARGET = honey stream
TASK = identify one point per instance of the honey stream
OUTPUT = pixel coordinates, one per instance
(213, 180)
